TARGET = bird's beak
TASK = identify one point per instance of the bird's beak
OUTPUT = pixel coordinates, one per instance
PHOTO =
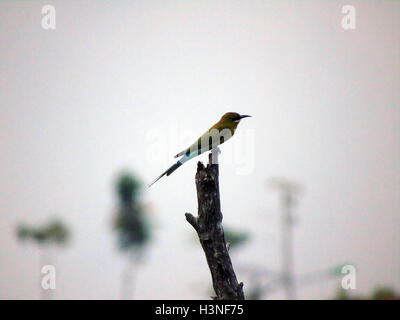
(244, 116)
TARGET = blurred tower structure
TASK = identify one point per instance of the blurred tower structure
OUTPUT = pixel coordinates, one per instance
(288, 191)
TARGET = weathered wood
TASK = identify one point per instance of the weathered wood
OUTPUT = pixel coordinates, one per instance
(208, 225)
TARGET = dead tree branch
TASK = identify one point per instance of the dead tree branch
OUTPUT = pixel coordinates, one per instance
(208, 225)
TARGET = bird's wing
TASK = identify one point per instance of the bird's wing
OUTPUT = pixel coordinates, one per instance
(180, 153)
(194, 148)
(207, 138)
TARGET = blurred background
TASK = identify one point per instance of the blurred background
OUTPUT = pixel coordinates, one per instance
(92, 111)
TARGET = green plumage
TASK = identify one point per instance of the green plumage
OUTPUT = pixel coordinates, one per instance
(219, 133)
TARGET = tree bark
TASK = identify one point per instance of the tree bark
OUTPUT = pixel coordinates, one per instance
(208, 225)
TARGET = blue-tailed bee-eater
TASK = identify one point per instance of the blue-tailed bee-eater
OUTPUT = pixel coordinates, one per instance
(220, 132)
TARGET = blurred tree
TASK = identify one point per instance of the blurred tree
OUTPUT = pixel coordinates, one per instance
(131, 224)
(254, 293)
(384, 293)
(53, 233)
(235, 238)
(379, 293)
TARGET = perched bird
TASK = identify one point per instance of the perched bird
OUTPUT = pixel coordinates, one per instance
(220, 132)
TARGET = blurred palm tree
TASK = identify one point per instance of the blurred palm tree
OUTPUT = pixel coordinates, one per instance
(54, 233)
(131, 224)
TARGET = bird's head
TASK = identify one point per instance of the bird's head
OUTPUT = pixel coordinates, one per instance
(233, 117)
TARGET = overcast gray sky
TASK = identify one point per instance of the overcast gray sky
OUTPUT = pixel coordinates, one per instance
(128, 84)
